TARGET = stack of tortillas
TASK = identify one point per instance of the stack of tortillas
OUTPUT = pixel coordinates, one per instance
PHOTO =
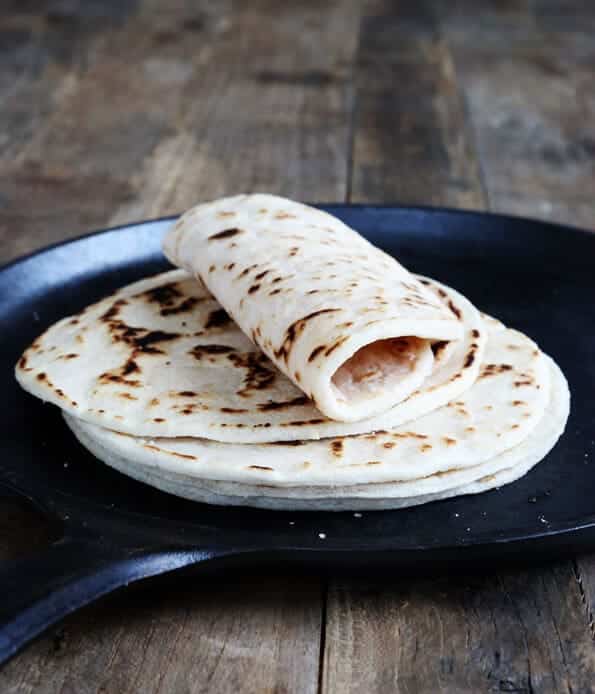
(290, 364)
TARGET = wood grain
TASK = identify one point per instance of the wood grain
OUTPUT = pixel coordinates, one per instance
(411, 140)
(526, 75)
(584, 567)
(160, 107)
(514, 632)
(229, 634)
(274, 119)
(50, 49)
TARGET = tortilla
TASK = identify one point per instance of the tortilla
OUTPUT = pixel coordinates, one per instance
(473, 444)
(349, 325)
(160, 357)
(499, 471)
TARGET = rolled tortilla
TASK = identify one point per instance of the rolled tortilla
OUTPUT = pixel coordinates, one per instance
(349, 325)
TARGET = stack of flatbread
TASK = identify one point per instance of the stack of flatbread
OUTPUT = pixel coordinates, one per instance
(290, 364)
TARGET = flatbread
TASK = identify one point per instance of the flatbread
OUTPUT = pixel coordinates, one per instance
(456, 445)
(349, 325)
(502, 469)
(160, 357)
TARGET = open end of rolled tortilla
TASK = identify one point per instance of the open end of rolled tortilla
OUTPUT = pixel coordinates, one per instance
(401, 363)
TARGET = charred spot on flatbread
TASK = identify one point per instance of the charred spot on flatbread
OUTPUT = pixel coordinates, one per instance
(295, 330)
(225, 234)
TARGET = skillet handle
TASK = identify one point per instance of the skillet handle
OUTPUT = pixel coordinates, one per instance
(36, 592)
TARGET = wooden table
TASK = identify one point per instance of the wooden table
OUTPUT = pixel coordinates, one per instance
(118, 110)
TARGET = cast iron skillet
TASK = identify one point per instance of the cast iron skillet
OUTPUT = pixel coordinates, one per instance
(537, 277)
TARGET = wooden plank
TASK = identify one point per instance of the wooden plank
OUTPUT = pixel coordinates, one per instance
(526, 75)
(160, 106)
(411, 143)
(275, 120)
(44, 53)
(230, 634)
(173, 105)
(513, 632)
(585, 575)
(524, 631)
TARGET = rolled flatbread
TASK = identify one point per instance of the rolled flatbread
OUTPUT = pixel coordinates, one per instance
(349, 325)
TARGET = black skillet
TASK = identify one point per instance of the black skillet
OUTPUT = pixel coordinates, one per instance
(537, 277)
